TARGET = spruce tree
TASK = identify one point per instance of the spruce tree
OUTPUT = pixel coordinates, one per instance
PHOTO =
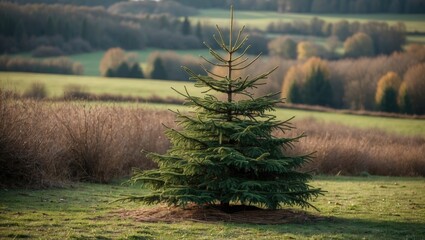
(159, 71)
(186, 28)
(225, 151)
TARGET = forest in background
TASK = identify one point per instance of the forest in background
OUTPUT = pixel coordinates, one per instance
(354, 57)
(295, 6)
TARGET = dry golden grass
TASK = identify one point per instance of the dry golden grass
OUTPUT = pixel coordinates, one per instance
(49, 143)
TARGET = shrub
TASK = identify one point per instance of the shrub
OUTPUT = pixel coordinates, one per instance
(75, 92)
(45, 144)
(283, 47)
(316, 89)
(292, 85)
(359, 45)
(414, 79)
(47, 51)
(37, 90)
(306, 50)
(117, 63)
(61, 65)
(341, 150)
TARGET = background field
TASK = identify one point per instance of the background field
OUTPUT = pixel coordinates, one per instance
(359, 208)
(56, 84)
(260, 19)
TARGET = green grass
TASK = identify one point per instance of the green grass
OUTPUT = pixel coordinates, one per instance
(360, 208)
(260, 19)
(416, 39)
(411, 127)
(56, 84)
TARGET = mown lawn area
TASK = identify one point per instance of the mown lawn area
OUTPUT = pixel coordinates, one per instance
(355, 207)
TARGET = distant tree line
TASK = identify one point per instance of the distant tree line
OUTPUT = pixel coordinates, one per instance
(316, 6)
(384, 38)
(350, 83)
(90, 3)
(75, 29)
(391, 84)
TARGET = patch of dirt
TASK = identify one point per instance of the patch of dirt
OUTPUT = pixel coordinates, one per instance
(214, 214)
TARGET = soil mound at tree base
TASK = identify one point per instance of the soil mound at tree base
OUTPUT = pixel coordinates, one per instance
(237, 214)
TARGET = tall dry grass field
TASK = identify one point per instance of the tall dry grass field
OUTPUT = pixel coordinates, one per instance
(46, 144)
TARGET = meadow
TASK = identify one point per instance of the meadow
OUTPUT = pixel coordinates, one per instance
(260, 19)
(352, 208)
(56, 84)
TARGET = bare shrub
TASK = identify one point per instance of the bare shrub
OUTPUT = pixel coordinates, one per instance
(351, 151)
(47, 51)
(75, 91)
(30, 144)
(37, 90)
(61, 65)
(105, 142)
(414, 79)
(43, 144)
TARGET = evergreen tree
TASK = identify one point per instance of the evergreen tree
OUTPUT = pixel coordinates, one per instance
(198, 31)
(158, 71)
(317, 89)
(85, 30)
(136, 71)
(186, 29)
(387, 91)
(225, 152)
(123, 70)
(388, 101)
(110, 73)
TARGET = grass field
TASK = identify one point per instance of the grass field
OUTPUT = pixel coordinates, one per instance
(56, 84)
(358, 208)
(260, 19)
